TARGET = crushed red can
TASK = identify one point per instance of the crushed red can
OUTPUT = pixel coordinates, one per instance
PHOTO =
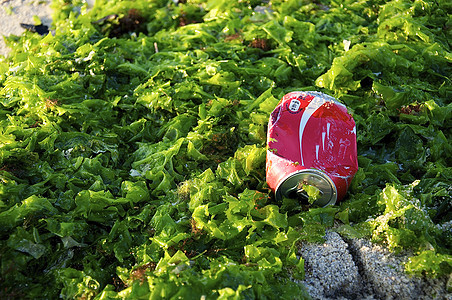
(311, 142)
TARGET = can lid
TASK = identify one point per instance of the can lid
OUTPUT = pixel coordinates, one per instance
(292, 187)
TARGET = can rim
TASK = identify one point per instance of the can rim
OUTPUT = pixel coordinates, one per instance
(292, 180)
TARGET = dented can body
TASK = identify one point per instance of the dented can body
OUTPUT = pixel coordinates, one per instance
(311, 141)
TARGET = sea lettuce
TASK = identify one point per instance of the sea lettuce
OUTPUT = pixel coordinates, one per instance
(132, 144)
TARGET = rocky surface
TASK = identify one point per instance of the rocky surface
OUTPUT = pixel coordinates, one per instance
(357, 269)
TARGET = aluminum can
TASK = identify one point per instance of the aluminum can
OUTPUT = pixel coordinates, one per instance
(311, 141)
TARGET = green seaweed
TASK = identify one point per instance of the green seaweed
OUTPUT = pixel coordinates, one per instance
(133, 141)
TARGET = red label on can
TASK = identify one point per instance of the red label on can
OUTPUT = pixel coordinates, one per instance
(311, 130)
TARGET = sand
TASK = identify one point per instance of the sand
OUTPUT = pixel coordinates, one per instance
(14, 12)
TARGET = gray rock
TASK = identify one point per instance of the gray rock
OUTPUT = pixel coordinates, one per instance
(384, 271)
(357, 269)
(330, 271)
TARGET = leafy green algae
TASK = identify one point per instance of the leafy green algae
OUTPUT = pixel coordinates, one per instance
(312, 192)
(132, 144)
